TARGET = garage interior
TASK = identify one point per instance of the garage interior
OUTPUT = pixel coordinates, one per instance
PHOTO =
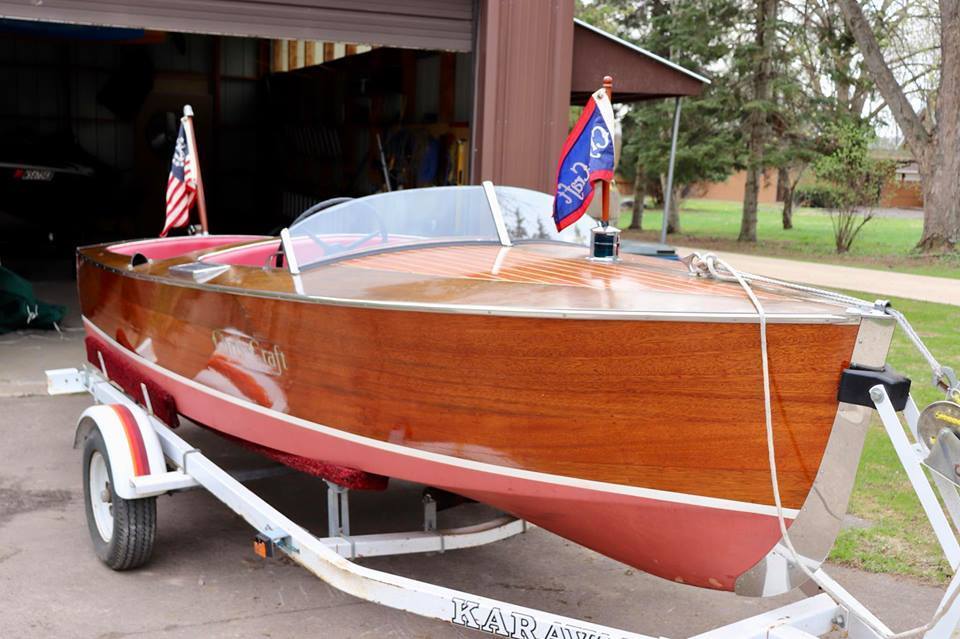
(90, 114)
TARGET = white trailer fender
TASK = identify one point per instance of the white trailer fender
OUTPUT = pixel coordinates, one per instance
(132, 445)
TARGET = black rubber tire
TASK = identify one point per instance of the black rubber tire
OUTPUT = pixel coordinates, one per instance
(134, 520)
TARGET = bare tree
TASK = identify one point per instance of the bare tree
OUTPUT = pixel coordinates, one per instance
(791, 176)
(639, 195)
(766, 26)
(934, 141)
(673, 215)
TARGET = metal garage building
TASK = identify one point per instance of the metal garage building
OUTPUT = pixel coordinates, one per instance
(292, 95)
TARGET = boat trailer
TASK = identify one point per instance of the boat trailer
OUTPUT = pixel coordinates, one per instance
(134, 449)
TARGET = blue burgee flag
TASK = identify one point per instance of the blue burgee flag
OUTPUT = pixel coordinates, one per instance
(587, 156)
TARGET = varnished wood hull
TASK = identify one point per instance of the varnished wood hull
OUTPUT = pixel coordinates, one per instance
(643, 440)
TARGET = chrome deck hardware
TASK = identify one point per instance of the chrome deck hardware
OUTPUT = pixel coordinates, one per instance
(605, 244)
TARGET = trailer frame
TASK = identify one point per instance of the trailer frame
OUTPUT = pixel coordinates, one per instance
(330, 558)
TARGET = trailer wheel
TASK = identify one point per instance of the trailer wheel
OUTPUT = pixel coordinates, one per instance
(122, 530)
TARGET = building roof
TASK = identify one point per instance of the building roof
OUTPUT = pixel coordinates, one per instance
(900, 154)
(637, 74)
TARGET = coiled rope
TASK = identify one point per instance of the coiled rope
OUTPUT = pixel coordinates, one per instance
(709, 265)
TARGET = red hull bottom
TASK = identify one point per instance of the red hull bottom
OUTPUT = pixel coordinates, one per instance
(697, 541)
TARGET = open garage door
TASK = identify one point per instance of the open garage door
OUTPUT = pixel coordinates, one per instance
(425, 24)
(89, 115)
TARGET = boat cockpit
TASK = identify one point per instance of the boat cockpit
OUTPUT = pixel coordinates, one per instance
(344, 228)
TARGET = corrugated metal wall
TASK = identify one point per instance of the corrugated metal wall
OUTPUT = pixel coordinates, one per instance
(523, 90)
(427, 24)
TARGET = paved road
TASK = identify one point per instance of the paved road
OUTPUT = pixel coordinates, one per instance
(907, 214)
(881, 283)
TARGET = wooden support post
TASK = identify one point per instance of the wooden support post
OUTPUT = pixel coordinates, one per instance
(277, 51)
(187, 121)
(292, 57)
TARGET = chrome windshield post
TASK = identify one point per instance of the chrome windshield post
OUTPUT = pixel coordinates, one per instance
(497, 213)
(287, 244)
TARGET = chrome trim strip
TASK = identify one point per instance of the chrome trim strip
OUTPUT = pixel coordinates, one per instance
(815, 529)
(497, 213)
(239, 237)
(449, 460)
(199, 272)
(220, 251)
(847, 316)
(288, 252)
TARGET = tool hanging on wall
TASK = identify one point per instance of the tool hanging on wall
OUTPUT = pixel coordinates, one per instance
(383, 164)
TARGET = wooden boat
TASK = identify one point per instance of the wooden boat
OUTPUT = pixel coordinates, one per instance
(450, 337)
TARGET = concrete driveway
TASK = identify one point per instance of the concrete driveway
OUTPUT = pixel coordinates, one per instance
(941, 290)
(204, 580)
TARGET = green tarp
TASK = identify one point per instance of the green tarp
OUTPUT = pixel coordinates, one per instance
(20, 308)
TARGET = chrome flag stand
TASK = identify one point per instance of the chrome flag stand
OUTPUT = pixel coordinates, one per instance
(605, 238)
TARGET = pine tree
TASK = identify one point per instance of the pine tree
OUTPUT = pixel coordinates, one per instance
(698, 35)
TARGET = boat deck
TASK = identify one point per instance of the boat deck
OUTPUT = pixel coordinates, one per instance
(527, 279)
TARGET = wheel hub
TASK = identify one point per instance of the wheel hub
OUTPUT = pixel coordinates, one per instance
(101, 496)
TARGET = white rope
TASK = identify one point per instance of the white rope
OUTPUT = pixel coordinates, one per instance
(710, 262)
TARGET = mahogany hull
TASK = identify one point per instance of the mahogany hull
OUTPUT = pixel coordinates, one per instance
(643, 440)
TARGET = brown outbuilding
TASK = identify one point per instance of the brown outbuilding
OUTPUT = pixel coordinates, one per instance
(301, 100)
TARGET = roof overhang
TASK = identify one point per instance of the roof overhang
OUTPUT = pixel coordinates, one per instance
(637, 73)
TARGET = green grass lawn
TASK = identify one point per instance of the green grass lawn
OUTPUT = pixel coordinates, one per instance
(884, 243)
(898, 538)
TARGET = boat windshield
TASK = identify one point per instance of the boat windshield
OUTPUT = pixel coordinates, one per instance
(443, 214)
(528, 216)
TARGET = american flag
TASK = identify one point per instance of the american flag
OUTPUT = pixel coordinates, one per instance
(181, 185)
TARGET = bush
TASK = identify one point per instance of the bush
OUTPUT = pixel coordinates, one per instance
(855, 178)
(817, 195)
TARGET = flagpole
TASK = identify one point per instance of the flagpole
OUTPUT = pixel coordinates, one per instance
(605, 184)
(187, 121)
(605, 239)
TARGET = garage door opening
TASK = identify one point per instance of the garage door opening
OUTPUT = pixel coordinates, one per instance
(89, 116)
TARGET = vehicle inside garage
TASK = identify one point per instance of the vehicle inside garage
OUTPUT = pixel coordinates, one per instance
(90, 115)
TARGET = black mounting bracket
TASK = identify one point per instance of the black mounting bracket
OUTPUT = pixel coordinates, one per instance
(856, 382)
